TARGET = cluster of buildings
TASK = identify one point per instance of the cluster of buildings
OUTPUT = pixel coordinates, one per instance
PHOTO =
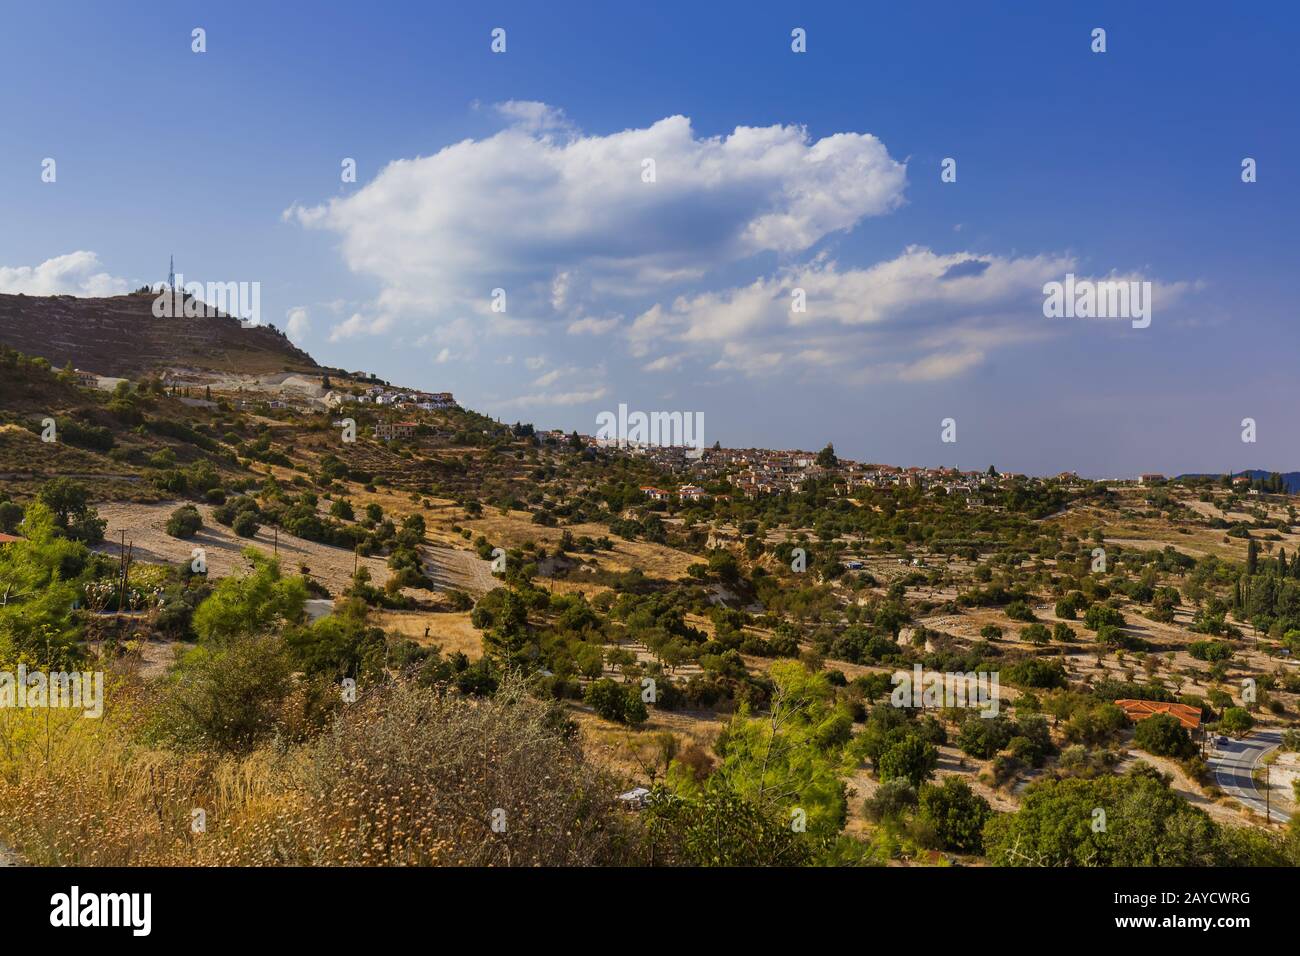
(763, 471)
(386, 395)
(685, 493)
(757, 472)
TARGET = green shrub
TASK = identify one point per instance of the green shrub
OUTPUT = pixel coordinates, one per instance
(1102, 615)
(184, 522)
(1036, 633)
(616, 702)
(245, 524)
(1019, 611)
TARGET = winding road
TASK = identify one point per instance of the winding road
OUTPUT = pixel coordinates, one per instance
(1234, 764)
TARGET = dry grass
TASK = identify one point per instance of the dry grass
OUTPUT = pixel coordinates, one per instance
(450, 631)
(403, 777)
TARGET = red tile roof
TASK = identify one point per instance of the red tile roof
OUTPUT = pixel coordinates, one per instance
(1188, 716)
(6, 538)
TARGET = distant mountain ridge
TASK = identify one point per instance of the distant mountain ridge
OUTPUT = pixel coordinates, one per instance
(119, 336)
(1290, 478)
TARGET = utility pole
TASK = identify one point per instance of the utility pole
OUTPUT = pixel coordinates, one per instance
(121, 592)
(126, 571)
(1268, 793)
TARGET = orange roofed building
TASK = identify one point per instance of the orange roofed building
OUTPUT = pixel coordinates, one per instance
(1135, 710)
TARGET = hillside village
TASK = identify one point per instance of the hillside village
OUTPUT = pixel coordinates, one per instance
(712, 641)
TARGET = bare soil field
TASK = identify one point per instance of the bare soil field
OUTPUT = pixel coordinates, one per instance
(145, 526)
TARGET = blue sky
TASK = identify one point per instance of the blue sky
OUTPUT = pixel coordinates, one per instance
(774, 170)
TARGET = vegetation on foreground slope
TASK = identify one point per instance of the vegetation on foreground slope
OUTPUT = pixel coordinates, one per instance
(769, 737)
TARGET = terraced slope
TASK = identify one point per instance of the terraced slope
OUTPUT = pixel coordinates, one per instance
(119, 336)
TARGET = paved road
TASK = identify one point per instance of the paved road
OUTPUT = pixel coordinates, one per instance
(1233, 764)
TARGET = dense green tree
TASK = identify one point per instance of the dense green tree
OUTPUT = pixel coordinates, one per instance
(617, 702)
(910, 758)
(793, 757)
(983, 737)
(252, 603)
(1036, 633)
(956, 813)
(1102, 615)
(342, 644)
(1236, 721)
(39, 584)
(184, 522)
(1129, 820)
(69, 500)
(1164, 736)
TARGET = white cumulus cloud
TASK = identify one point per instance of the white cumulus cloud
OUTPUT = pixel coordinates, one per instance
(297, 324)
(77, 273)
(920, 316)
(553, 215)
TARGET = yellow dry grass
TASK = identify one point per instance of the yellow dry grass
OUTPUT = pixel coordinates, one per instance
(450, 631)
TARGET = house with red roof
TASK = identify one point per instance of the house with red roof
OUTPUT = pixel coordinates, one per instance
(1136, 710)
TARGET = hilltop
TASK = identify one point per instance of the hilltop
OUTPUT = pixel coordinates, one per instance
(120, 337)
